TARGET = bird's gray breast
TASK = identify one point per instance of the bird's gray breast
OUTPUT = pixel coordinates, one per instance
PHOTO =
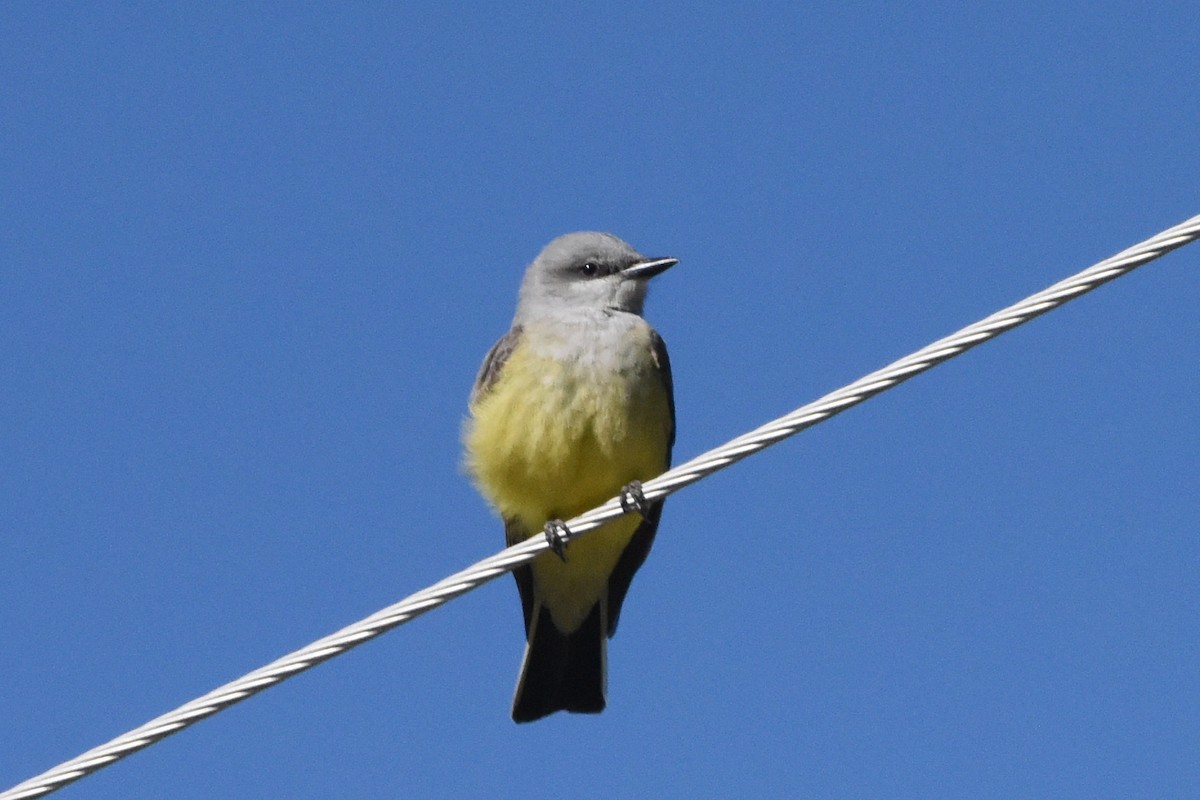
(603, 345)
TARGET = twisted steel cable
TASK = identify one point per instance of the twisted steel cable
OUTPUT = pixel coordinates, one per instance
(687, 473)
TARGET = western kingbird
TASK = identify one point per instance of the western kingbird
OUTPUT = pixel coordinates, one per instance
(571, 407)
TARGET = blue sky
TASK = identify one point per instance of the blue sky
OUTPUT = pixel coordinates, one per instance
(253, 255)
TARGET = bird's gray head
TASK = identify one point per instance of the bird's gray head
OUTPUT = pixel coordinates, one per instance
(587, 272)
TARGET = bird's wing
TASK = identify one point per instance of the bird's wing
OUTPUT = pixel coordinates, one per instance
(493, 364)
(514, 531)
(638, 548)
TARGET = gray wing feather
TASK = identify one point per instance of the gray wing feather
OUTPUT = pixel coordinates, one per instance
(493, 364)
(659, 350)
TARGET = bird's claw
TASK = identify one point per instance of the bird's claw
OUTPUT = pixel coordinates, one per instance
(557, 534)
(632, 498)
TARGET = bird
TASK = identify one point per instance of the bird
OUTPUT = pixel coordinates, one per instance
(571, 407)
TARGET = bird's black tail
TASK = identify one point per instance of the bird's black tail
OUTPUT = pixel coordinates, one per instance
(562, 672)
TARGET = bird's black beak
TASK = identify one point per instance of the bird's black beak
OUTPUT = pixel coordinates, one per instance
(641, 270)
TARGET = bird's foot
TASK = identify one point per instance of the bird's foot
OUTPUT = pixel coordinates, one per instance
(557, 534)
(632, 498)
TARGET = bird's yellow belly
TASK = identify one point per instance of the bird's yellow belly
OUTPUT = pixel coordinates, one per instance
(551, 440)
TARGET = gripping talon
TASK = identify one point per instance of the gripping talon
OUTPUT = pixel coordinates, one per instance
(557, 534)
(632, 498)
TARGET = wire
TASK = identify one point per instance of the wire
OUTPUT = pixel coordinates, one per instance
(687, 473)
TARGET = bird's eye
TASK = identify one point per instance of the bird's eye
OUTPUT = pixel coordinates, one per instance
(590, 269)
